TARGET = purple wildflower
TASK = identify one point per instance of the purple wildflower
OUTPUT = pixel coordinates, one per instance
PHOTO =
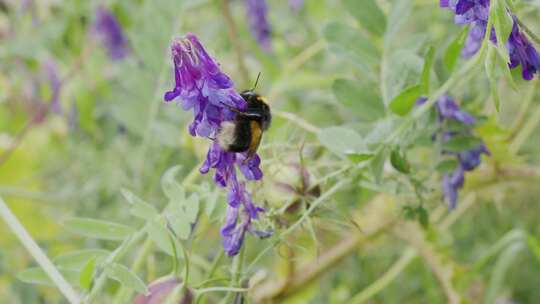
(162, 288)
(476, 12)
(202, 86)
(257, 15)
(111, 34)
(523, 53)
(468, 160)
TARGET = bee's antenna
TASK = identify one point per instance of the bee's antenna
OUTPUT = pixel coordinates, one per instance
(256, 82)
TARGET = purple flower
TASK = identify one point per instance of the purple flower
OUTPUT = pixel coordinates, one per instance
(448, 109)
(201, 86)
(111, 34)
(476, 12)
(451, 183)
(160, 289)
(468, 160)
(523, 53)
(257, 11)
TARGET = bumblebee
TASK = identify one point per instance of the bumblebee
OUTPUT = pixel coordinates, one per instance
(244, 133)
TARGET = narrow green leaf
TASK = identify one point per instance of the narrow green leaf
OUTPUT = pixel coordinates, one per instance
(125, 277)
(377, 165)
(342, 141)
(490, 66)
(98, 229)
(534, 245)
(399, 161)
(447, 165)
(76, 260)
(426, 69)
(87, 274)
(170, 186)
(502, 22)
(182, 214)
(160, 235)
(403, 103)
(362, 101)
(139, 208)
(368, 14)
(461, 143)
(36, 275)
(453, 51)
(505, 260)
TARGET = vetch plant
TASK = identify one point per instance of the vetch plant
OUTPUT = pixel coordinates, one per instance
(210, 93)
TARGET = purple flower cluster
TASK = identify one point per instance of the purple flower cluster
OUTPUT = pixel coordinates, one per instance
(257, 16)
(476, 13)
(448, 110)
(111, 34)
(201, 86)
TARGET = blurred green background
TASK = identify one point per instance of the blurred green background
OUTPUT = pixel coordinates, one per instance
(115, 132)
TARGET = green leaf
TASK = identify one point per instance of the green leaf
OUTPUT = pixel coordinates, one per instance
(403, 103)
(502, 22)
(377, 165)
(98, 229)
(490, 66)
(36, 275)
(362, 52)
(453, 51)
(172, 189)
(161, 236)
(342, 141)
(76, 260)
(182, 214)
(87, 274)
(426, 69)
(139, 208)
(461, 143)
(360, 100)
(534, 245)
(505, 260)
(447, 165)
(423, 216)
(368, 14)
(125, 277)
(399, 161)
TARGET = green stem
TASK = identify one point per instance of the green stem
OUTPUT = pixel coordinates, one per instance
(237, 266)
(302, 123)
(526, 131)
(211, 271)
(523, 111)
(36, 252)
(388, 277)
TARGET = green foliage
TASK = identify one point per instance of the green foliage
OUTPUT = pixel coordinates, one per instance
(352, 170)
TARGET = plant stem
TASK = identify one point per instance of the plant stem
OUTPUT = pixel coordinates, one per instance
(232, 31)
(302, 123)
(526, 131)
(389, 276)
(237, 266)
(36, 252)
(523, 110)
(211, 272)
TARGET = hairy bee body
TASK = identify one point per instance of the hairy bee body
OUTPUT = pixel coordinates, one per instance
(244, 133)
